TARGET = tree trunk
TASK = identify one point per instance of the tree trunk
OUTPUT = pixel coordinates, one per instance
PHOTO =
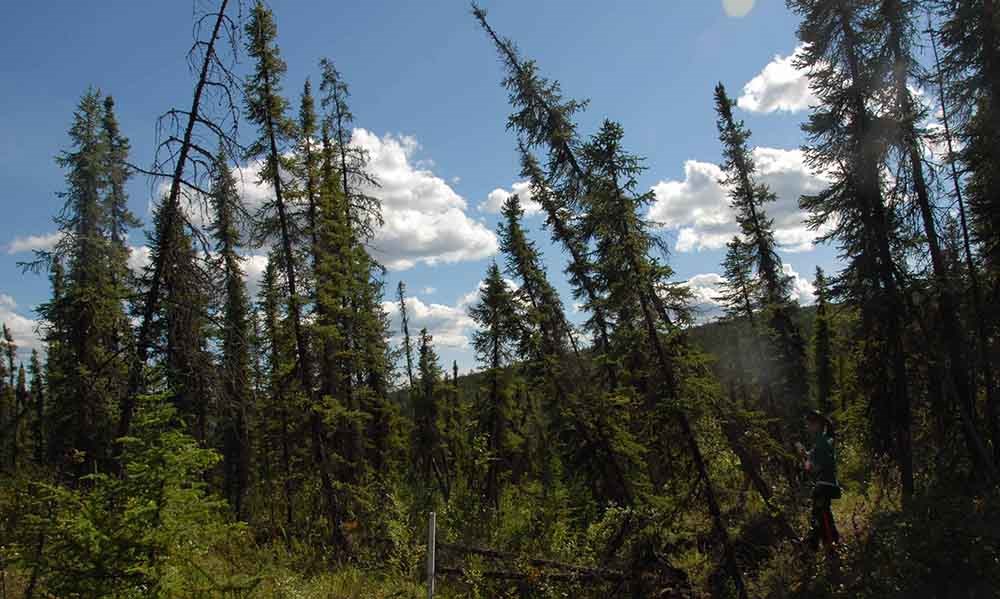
(303, 364)
(171, 208)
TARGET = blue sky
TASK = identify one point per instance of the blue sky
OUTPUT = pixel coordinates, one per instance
(426, 95)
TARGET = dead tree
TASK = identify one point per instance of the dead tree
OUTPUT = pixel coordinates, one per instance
(183, 158)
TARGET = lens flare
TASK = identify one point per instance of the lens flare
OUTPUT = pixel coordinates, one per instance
(737, 8)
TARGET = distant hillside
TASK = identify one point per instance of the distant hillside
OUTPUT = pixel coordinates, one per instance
(715, 338)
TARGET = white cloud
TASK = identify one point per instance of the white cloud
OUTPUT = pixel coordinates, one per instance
(138, 258)
(31, 243)
(705, 288)
(425, 219)
(471, 298)
(21, 327)
(253, 266)
(495, 199)
(698, 207)
(428, 290)
(706, 291)
(413, 236)
(450, 326)
(253, 269)
(803, 290)
(778, 87)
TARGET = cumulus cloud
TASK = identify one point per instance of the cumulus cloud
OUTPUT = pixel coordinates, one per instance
(197, 207)
(253, 269)
(697, 208)
(471, 298)
(778, 87)
(706, 292)
(450, 326)
(253, 266)
(425, 219)
(138, 258)
(495, 199)
(31, 243)
(705, 288)
(803, 290)
(23, 329)
(411, 236)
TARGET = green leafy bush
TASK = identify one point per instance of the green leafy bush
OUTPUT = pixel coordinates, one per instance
(146, 533)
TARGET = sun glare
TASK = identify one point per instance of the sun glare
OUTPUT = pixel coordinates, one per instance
(737, 8)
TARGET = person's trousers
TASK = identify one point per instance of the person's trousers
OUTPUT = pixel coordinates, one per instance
(823, 527)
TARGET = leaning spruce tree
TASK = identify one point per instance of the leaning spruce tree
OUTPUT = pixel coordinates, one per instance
(748, 197)
(971, 69)
(592, 437)
(601, 174)
(523, 261)
(739, 290)
(844, 75)
(404, 320)
(969, 87)
(895, 18)
(186, 159)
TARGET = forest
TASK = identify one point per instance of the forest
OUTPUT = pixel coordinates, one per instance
(182, 437)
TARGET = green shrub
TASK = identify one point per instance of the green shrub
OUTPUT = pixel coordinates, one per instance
(143, 534)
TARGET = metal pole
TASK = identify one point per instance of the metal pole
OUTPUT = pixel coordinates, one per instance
(431, 533)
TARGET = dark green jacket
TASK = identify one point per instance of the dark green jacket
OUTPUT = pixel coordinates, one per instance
(824, 460)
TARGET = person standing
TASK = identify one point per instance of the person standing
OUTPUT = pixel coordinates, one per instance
(821, 463)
